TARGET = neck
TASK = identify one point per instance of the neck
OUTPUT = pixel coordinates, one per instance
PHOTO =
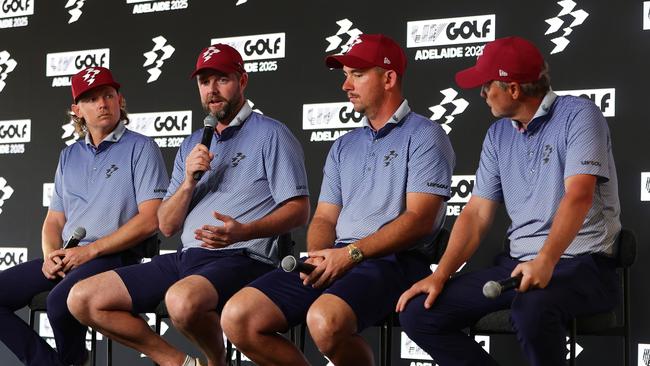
(527, 110)
(384, 111)
(97, 135)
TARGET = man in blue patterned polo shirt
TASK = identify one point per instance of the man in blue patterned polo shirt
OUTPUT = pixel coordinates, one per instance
(382, 198)
(111, 183)
(254, 188)
(549, 160)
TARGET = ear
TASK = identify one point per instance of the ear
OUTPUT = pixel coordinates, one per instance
(515, 90)
(390, 79)
(76, 110)
(243, 81)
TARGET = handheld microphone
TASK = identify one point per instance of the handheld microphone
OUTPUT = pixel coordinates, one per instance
(78, 234)
(291, 264)
(208, 131)
(492, 289)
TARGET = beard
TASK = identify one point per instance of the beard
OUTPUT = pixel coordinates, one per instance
(227, 112)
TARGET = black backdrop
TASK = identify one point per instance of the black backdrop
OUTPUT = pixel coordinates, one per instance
(603, 56)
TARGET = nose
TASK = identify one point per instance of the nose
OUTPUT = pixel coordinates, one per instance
(347, 84)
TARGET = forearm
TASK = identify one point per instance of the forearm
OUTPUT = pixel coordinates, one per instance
(567, 221)
(51, 232)
(138, 228)
(172, 212)
(321, 234)
(289, 215)
(398, 235)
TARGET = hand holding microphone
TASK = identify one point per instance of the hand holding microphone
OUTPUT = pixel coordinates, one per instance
(493, 289)
(208, 131)
(292, 264)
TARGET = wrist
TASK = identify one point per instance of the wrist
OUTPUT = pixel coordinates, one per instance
(355, 255)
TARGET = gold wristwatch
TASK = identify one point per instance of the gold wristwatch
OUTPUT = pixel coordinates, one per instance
(354, 253)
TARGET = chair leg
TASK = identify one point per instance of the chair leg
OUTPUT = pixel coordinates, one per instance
(93, 347)
(572, 342)
(389, 339)
(238, 357)
(109, 352)
(228, 352)
(32, 314)
(303, 331)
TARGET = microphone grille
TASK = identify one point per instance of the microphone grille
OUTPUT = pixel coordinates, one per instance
(79, 233)
(491, 289)
(289, 263)
(210, 120)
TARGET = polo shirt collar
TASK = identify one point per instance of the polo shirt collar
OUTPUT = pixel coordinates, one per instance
(542, 110)
(402, 111)
(114, 136)
(236, 122)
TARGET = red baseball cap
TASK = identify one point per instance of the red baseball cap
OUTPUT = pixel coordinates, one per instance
(370, 50)
(220, 57)
(504, 59)
(91, 78)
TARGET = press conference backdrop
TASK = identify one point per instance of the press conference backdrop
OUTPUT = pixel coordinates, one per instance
(596, 49)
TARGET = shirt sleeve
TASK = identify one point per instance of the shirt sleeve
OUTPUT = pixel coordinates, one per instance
(56, 203)
(431, 162)
(284, 162)
(330, 190)
(150, 173)
(178, 172)
(488, 177)
(588, 143)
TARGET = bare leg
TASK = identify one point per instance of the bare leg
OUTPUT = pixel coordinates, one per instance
(104, 303)
(192, 305)
(251, 322)
(333, 327)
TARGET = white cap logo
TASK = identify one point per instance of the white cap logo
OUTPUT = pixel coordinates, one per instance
(386, 61)
(209, 52)
(89, 76)
(502, 73)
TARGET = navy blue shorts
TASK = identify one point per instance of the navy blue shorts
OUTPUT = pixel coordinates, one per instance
(227, 270)
(371, 288)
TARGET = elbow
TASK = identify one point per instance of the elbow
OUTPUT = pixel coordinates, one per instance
(167, 230)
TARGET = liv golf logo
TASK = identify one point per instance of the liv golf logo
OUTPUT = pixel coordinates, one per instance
(75, 9)
(149, 6)
(5, 192)
(448, 108)
(157, 56)
(441, 37)
(343, 38)
(645, 186)
(260, 51)
(168, 129)
(461, 192)
(605, 99)
(62, 65)
(322, 118)
(13, 136)
(7, 65)
(13, 13)
(10, 257)
(565, 21)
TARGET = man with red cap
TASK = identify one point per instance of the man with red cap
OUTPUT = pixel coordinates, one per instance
(107, 190)
(549, 160)
(253, 189)
(381, 202)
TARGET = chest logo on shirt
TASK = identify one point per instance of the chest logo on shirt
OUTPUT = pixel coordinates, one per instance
(239, 157)
(546, 155)
(388, 158)
(111, 170)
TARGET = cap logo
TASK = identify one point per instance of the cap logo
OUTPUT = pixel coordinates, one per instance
(502, 73)
(386, 61)
(209, 52)
(89, 76)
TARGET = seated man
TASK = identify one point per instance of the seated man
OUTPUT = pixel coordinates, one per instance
(549, 159)
(111, 184)
(254, 188)
(383, 194)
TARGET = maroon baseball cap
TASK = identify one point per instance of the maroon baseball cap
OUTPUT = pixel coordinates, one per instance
(371, 50)
(504, 59)
(220, 57)
(91, 78)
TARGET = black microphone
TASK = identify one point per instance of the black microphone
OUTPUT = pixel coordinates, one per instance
(492, 289)
(291, 264)
(78, 234)
(208, 131)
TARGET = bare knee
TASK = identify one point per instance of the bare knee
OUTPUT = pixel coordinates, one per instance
(80, 300)
(330, 325)
(250, 313)
(186, 304)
